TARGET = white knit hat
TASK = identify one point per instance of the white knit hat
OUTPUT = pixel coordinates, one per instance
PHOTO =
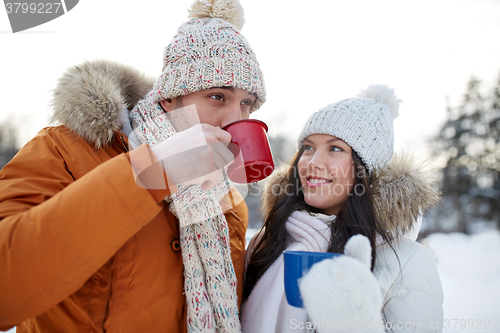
(365, 123)
(209, 52)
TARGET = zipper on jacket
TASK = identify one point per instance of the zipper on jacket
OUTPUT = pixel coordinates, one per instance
(124, 145)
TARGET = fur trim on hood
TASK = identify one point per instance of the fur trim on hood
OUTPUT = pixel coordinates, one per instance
(273, 190)
(401, 193)
(89, 97)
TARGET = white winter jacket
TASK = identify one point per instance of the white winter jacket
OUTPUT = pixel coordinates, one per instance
(413, 296)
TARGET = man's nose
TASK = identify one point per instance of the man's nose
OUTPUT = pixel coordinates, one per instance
(232, 114)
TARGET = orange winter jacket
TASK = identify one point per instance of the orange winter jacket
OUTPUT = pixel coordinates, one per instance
(83, 248)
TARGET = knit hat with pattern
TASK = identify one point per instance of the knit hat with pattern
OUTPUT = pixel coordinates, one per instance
(365, 123)
(208, 52)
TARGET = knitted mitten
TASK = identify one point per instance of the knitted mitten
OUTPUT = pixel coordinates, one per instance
(342, 293)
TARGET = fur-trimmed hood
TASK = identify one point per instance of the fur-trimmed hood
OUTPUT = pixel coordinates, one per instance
(401, 193)
(89, 97)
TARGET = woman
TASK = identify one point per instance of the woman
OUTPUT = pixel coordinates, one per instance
(340, 194)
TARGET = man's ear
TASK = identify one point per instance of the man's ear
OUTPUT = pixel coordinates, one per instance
(167, 104)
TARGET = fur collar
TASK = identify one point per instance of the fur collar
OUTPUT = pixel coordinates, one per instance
(401, 193)
(88, 98)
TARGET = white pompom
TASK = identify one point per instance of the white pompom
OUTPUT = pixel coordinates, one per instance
(383, 94)
(229, 10)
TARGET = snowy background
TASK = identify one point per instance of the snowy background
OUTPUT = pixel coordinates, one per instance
(312, 53)
(470, 274)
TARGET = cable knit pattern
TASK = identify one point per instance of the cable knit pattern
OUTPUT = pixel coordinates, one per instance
(364, 123)
(209, 277)
(342, 293)
(209, 52)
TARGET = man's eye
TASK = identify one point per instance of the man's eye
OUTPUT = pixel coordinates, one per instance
(246, 103)
(217, 97)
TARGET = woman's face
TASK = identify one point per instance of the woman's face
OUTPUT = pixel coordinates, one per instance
(327, 172)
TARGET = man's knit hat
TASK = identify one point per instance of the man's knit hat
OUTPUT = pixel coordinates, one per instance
(208, 52)
(365, 123)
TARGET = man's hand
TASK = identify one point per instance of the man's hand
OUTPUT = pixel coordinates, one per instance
(195, 155)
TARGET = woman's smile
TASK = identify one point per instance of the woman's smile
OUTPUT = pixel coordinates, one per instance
(314, 181)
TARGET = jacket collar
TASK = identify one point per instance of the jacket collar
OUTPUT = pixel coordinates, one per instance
(89, 97)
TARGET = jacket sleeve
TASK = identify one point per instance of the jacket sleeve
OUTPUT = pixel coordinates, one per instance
(55, 232)
(414, 302)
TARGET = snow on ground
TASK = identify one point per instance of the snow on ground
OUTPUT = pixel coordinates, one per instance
(469, 267)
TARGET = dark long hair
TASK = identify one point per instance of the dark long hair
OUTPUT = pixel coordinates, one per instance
(356, 217)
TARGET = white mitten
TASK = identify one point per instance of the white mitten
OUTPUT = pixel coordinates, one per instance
(342, 293)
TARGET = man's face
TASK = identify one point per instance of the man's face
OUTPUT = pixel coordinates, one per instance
(216, 106)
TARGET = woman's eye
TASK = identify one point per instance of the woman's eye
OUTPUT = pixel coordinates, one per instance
(246, 103)
(307, 147)
(335, 148)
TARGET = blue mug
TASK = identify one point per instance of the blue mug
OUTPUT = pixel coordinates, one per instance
(297, 264)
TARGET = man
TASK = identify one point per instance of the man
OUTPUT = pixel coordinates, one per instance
(95, 235)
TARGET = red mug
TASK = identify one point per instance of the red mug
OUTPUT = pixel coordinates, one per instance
(249, 144)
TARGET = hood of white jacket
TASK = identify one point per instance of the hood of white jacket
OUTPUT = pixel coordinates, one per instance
(89, 97)
(401, 192)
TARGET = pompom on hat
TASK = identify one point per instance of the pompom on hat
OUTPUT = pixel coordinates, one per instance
(365, 123)
(209, 52)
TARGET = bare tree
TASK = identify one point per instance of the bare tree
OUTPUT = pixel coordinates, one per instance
(469, 142)
(8, 143)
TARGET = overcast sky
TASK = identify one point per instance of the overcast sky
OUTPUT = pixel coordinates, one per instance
(312, 53)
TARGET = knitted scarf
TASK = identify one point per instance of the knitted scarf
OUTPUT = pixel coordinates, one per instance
(209, 277)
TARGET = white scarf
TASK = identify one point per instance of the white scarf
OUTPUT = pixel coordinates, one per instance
(209, 277)
(267, 309)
